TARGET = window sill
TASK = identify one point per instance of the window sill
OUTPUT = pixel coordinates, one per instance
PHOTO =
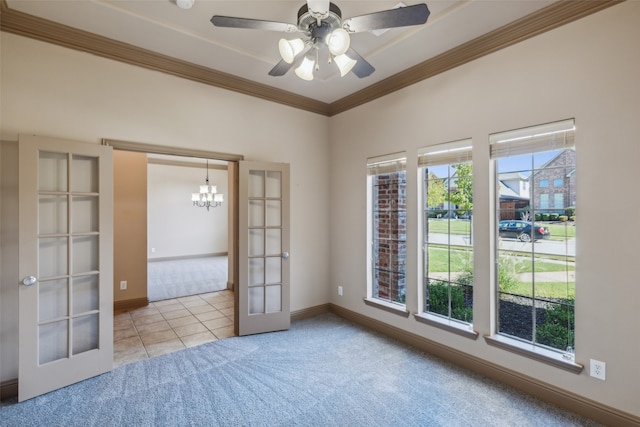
(549, 357)
(462, 329)
(387, 306)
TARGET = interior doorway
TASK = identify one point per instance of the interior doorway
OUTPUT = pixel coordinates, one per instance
(187, 240)
(151, 323)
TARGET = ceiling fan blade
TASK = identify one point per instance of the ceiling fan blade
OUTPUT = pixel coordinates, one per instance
(282, 67)
(256, 24)
(401, 17)
(318, 7)
(362, 67)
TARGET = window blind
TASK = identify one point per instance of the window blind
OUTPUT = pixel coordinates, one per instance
(449, 153)
(395, 162)
(535, 139)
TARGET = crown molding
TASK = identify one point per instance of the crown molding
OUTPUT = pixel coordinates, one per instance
(543, 20)
(26, 25)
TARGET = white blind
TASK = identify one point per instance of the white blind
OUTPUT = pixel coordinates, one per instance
(449, 153)
(547, 137)
(388, 163)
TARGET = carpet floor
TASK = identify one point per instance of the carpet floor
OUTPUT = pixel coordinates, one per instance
(185, 277)
(324, 371)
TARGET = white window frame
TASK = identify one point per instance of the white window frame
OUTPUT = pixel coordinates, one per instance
(548, 137)
(448, 154)
(394, 162)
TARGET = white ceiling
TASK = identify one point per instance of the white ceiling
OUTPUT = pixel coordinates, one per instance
(162, 27)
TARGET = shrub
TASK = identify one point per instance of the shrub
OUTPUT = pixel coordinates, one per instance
(570, 211)
(507, 278)
(538, 217)
(558, 328)
(563, 218)
(572, 218)
(545, 217)
(438, 300)
(553, 216)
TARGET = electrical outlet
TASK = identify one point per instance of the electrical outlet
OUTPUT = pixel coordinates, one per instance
(123, 285)
(340, 290)
(598, 369)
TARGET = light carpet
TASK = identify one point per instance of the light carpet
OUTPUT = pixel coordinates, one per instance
(324, 371)
(185, 277)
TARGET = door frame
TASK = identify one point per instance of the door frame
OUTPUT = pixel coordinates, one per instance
(233, 168)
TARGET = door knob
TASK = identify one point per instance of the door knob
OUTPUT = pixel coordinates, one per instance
(285, 255)
(29, 280)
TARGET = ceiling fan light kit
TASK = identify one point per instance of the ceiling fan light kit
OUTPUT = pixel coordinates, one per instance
(321, 23)
(290, 48)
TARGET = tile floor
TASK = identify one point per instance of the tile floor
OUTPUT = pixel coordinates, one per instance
(170, 325)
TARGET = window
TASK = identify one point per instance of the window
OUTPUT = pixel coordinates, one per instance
(544, 183)
(558, 201)
(544, 201)
(388, 221)
(535, 282)
(558, 182)
(447, 207)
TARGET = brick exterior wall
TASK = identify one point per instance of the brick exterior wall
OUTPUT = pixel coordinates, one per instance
(389, 235)
(560, 167)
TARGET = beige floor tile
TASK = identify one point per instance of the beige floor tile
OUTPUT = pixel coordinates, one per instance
(195, 303)
(177, 313)
(154, 318)
(170, 307)
(223, 304)
(186, 330)
(214, 298)
(226, 332)
(144, 311)
(120, 334)
(150, 328)
(122, 323)
(217, 323)
(157, 337)
(189, 298)
(165, 302)
(169, 325)
(228, 312)
(181, 321)
(197, 339)
(164, 347)
(209, 315)
(128, 350)
(198, 309)
(209, 294)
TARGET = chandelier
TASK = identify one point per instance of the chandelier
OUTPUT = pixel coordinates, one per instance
(208, 196)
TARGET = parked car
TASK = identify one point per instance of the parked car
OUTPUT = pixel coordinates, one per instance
(521, 230)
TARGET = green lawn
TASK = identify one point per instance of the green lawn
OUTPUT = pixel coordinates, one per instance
(461, 260)
(546, 289)
(458, 226)
(439, 262)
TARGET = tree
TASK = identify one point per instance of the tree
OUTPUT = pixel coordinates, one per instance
(462, 196)
(436, 191)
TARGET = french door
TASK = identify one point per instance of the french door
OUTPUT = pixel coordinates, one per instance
(65, 263)
(263, 246)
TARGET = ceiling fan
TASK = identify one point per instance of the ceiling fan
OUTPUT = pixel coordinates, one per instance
(321, 25)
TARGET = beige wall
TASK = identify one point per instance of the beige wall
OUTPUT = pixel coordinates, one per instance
(175, 227)
(129, 225)
(588, 70)
(53, 91)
